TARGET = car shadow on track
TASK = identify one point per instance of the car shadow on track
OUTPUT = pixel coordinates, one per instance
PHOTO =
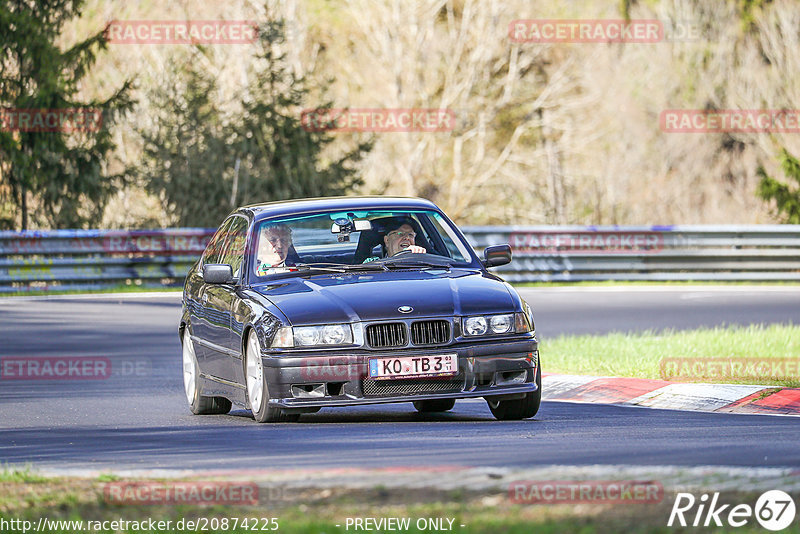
(395, 414)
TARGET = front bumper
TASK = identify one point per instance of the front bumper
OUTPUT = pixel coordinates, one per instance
(498, 369)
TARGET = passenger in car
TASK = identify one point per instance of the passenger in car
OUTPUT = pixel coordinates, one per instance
(399, 236)
(274, 245)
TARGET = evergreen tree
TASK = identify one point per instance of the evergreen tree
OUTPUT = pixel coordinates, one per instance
(204, 162)
(187, 155)
(280, 158)
(786, 198)
(63, 171)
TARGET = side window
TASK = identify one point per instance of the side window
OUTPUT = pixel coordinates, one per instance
(425, 238)
(213, 251)
(455, 248)
(233, 249)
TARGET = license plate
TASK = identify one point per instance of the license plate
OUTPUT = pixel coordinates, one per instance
(414, 366)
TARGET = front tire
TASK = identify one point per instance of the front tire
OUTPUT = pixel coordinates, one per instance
(436, 405)
(199, 404)
(257, 390)
(514, 410)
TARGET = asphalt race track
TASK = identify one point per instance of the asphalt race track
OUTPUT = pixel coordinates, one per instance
(138, 419)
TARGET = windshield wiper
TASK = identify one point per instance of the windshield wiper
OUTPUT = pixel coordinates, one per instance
(318, 267)
(410, 263)
(339, 267)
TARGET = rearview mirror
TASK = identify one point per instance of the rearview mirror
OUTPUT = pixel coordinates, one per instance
(345, 226)
(218, 273)
(496, 255)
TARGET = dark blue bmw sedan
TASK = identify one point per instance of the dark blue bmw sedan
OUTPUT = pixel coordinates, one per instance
(304, 304)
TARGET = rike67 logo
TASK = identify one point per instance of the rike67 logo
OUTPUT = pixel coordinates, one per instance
(774, 510)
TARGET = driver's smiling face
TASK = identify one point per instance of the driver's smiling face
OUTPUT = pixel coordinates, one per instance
(399, 239)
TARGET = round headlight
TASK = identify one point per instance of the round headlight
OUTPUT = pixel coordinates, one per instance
(500, 324)
(307, 335)
(475, 326)
(333, 334)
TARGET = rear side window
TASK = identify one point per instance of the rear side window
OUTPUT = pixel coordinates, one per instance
(233, 247)
(214, 249)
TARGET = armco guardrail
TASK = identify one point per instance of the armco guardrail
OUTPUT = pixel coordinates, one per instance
(93, 259)
(89, 259)
(657, 253)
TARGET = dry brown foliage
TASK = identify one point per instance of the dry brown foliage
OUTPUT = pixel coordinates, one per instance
(545, 133)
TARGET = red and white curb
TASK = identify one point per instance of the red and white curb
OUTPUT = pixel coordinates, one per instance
(665, 395)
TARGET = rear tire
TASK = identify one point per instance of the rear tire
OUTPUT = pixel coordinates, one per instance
(199, 404)
(514, 410)
(436, 405)
(257, 390)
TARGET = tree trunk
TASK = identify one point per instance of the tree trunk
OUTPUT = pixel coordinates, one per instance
(24, 205)
(555, 174)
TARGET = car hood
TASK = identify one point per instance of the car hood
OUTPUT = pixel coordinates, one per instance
(351, 297)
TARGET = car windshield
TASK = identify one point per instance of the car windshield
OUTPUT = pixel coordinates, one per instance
(357, 240)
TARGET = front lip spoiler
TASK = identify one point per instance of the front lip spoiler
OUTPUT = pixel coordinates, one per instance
(323, 403)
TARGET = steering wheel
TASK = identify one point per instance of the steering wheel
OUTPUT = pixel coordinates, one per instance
(402, 251)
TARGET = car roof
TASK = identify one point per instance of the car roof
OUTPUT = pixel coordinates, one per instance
(309, 205)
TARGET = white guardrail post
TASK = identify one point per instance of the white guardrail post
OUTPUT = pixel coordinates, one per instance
(93, 259)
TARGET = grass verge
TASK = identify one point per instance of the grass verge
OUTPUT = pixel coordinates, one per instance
(112, 289)
(678, 283)
(133, 288)
(19, 474)
(755, 354)
(316, 511)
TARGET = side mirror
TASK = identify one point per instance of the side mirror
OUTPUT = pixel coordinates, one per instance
(496, 255)
(218, 273)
